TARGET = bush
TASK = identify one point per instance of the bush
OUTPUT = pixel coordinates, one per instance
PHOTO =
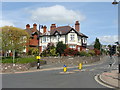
(60, 47)
(97, 52)
(20, 60)
(91, 52)
(49, 51)
(70, 52)
(83, 53)
(35, 51)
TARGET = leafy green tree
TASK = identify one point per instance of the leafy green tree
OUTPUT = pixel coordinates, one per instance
(53, 52)
(35, 51)
(60, 47)
(97, 44)
(50, 50)
(13, 39)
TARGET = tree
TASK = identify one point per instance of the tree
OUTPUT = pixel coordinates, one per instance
(13, 39)
(50, 50)
(97, 44)
(60, 47)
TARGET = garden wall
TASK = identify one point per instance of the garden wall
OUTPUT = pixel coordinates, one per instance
(71, 60)
(8, 67)
(50, 60)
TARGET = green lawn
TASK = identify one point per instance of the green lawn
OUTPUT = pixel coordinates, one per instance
(19, 60)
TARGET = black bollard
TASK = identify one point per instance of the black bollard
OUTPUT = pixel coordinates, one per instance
(38, 64)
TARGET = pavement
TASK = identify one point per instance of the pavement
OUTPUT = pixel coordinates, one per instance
(110, 79)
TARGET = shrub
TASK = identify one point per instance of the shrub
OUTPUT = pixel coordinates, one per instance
(83, 53)
(49, 51)
(71, 52)
(35, 51)
(91, 52)
(60, 47)
(97, 52)
(20, 60)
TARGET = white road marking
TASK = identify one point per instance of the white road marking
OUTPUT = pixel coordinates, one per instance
(114, 61)
(101, 82)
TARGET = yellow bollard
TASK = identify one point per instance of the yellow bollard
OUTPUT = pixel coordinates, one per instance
(80, 66)
(65, 68)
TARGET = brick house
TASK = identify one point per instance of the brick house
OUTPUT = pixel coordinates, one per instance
(69, 35)
(33, 41)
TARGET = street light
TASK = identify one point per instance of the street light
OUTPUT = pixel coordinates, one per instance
(40, 26)
(38, 57)
(115, 2)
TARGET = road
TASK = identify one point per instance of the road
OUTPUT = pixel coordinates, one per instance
(56, 79)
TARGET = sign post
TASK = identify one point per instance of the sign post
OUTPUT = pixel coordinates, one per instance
(38, 62)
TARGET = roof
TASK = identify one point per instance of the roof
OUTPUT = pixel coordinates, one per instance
(90, 47)
(63, 30)
(29, 31)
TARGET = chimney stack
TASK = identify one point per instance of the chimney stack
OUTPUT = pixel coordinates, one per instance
(27, 26)
(53, 26)
(34, 27)
(77, 26)
(44, 29)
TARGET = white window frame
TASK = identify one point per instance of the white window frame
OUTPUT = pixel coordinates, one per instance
(72, 37)
(44, 39)
(72, 46)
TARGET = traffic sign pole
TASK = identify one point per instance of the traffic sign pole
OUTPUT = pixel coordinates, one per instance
(38, 62)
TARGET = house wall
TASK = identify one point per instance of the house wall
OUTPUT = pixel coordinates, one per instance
(76, 43)
(62, 38)
(34, 41)
(69, 39)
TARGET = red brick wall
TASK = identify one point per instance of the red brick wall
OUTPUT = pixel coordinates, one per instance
(34, 41)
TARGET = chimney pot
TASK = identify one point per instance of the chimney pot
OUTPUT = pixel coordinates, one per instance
(77, 26)
(44, 29)
(34, 27)
(27, 26)
(53, 26)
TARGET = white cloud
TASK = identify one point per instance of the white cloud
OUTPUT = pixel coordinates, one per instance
(108, 39)
(5, 22)
(57, 14)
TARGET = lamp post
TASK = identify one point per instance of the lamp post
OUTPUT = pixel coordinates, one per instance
(38, 57)
(40, 26)
(115, 2)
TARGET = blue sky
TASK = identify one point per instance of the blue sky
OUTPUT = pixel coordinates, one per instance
(97, 19)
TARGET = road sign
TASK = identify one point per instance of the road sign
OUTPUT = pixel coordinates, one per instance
(38, 57)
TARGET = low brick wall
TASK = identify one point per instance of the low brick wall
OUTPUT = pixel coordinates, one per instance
(71, 60)
(8, 67)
